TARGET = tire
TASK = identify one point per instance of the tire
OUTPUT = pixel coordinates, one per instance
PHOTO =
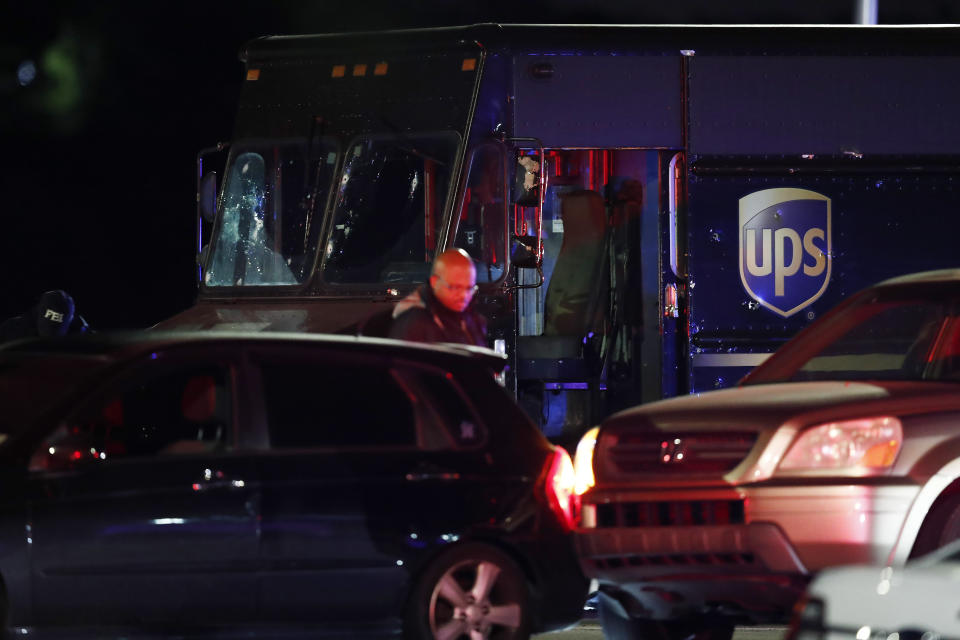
(618, 625)
(471, 589)
(941, 526)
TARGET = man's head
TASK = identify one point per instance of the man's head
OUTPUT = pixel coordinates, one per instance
(454, 279)
(54, 313)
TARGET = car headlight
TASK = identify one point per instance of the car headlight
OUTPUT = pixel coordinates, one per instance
(583, 462)
(865, 444)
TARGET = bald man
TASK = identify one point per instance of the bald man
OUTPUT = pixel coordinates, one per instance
(442, 310)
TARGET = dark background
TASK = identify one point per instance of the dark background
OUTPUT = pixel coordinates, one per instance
(99, 143)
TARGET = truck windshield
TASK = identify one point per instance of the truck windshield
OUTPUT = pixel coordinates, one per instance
(272, 212)
(389, 201)
(905, 338)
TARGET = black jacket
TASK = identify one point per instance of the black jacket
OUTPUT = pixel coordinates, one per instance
(422, 318)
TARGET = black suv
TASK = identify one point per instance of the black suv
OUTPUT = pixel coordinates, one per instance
(269, 482)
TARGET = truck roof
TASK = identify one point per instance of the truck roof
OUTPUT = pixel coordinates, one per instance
(638, 39)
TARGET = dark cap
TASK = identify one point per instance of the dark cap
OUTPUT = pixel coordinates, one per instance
(54, 313)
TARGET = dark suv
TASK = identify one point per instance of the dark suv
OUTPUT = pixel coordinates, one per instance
(272, 482)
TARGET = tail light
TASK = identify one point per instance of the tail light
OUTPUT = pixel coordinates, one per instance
(559, 485)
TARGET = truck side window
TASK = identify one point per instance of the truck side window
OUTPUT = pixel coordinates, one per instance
(482, 222)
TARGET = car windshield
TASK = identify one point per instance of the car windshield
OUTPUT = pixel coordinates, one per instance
(876, 337)
(272, 212)
(386, 218)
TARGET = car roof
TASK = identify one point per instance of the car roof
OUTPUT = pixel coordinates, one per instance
(923, 277)
(124, 343)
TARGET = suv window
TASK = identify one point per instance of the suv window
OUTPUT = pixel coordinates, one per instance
(335, 404)
(456, 419)
(187, 411)
(893, 343)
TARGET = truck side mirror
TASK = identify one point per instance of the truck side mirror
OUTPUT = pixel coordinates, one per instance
(524, 254)
(526, 182)
(526, 192)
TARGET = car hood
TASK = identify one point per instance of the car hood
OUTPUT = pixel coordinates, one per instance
(737, 435)
(891, 600)
(767, 406)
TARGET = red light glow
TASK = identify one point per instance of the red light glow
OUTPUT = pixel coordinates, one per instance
(560, 488)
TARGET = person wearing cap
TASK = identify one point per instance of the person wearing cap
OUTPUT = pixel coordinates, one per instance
(442, 310)
(53, 315)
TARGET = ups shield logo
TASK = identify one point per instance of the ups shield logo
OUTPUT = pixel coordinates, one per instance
(785, 248)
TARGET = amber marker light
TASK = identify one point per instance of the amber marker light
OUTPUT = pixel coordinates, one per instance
(380, 69)
(469, 64)
(339, 70)
(253, 74)
(583, 462)
(359, 70)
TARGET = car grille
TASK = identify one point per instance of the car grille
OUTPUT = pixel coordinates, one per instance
(677, 560)
(675, 454)
(670, 514)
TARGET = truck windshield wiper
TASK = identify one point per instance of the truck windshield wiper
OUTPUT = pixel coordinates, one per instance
(317, 127)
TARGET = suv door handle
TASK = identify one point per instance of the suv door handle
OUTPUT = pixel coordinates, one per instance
(216, 479)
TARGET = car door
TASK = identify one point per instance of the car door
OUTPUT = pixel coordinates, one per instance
(345, 486)
(143, 503)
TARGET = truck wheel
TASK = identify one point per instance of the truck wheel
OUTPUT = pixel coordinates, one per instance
(941, 526)
(617, 625)
(471, 591)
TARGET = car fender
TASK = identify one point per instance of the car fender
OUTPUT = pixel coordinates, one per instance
(934, 487)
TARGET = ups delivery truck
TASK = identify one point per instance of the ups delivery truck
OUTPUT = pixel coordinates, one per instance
(652, 210)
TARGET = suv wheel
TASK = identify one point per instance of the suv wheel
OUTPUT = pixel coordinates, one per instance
(471, 591)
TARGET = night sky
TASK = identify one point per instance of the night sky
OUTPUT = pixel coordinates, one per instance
(103, 108)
